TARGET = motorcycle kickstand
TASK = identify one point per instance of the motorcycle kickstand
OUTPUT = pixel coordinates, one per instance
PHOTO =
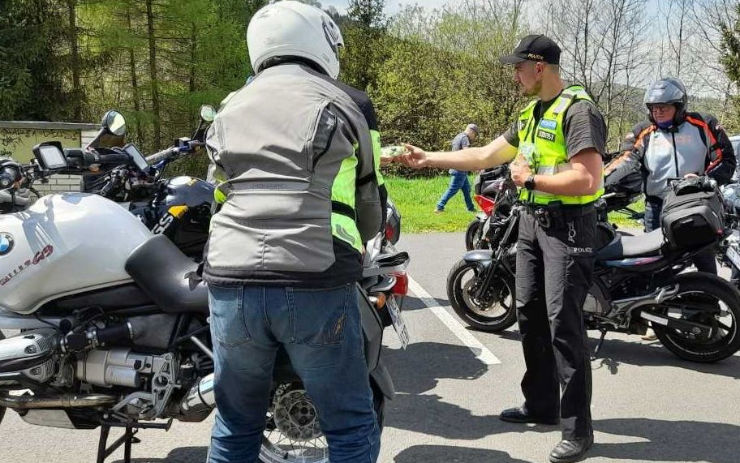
(126, 440)
(595, 353)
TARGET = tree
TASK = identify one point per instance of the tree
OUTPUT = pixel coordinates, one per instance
(363, 31)
(442, 72)
(731, 59)
(604, 50)
(31, 72)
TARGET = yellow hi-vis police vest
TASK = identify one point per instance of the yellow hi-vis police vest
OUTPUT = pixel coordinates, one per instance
(543, 146)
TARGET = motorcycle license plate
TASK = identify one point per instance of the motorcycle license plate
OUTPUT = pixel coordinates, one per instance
(734, 256)
(398, 324)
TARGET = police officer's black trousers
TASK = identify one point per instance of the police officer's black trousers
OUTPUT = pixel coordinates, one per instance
(554, 270)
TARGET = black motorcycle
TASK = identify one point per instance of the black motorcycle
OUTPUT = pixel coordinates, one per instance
(179, 207)
(636, 280)
(491, 188)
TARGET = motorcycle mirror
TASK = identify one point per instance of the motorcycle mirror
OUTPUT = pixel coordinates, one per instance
(207, 113)
(114, 123)
(50, 155)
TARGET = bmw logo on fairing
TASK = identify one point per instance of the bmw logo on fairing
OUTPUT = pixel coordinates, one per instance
(6, 243)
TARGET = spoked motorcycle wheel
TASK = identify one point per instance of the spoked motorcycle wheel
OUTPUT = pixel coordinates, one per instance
(702, 290)
(293, 434)
(494, 312)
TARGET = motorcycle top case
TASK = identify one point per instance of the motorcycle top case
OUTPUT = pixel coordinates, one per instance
(64, 244)
(692, 217)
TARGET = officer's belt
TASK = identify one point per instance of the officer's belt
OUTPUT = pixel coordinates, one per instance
(563, 210)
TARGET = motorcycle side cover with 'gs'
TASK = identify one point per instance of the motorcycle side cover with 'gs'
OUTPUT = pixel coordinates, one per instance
(64, 244)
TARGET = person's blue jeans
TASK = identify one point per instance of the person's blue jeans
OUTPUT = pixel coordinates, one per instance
(703, 261)
(458, 181)
(322, 334)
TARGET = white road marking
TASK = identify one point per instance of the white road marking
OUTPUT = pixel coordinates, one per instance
(481, 352)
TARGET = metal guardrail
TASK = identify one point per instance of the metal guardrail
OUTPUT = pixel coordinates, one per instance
(44, 125)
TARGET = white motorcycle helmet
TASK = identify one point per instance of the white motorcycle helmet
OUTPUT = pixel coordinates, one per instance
(290, 28)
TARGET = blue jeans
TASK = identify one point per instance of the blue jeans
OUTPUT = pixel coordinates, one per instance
(703, 261)
(458, 181)
(322, 334)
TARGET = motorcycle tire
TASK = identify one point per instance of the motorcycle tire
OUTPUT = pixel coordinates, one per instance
(270, 453)
(458, 292)
(719, 347)
(2, 409)
(473, 234)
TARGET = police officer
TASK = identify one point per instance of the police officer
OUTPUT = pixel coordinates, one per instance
(297, 152)
(557, 144)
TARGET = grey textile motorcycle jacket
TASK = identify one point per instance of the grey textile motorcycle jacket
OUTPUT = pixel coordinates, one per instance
(295, 151)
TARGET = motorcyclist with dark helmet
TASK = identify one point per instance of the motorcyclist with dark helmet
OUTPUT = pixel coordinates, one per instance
(677, 143)
(298, 153)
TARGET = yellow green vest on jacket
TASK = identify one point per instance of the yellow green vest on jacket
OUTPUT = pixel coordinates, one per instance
(543, 146)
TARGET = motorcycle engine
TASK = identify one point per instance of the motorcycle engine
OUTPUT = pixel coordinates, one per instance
(28, 355)
(117, 367)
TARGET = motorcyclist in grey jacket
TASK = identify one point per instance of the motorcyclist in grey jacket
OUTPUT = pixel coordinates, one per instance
(677, 144)
(301, 161)
(298, 155)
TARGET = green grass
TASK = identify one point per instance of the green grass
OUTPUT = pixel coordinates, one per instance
(416, 199)
(623, 220)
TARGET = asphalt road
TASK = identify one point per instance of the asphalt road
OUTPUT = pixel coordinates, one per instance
(648, 405)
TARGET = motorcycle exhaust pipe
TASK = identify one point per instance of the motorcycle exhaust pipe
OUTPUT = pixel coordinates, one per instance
(61, 401)
(200, 400)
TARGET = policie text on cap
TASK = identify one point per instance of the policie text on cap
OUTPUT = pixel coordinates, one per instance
(534, 48)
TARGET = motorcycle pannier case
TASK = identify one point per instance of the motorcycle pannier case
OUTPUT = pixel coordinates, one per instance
(692, 218)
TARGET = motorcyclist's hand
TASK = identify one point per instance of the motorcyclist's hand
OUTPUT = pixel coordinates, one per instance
(690, 175)
(414, 157)
(520, 171)
(385, 160)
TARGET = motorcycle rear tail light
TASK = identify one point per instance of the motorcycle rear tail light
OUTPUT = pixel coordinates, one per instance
(401, 287)
(486, 204)
(390, 232)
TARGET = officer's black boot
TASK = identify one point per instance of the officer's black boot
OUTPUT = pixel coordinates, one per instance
(569, 450)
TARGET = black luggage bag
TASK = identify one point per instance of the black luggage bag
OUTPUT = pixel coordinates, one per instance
(693, 214)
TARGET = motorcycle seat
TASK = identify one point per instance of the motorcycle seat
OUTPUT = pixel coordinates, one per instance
(623, 247)
(167, 276)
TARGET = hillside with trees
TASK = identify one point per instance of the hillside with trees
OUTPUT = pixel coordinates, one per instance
(429, 72)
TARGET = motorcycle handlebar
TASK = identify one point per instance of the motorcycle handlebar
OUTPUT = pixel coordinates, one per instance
(114, 159)
(187, 147)
(156, 157)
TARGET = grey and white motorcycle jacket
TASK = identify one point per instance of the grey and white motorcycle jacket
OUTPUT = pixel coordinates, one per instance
(295, 151)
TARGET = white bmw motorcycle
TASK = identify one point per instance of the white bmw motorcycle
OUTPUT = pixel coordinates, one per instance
(114, 325)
